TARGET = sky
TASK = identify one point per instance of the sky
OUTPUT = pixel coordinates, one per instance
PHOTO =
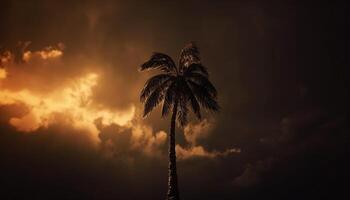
(71, 123)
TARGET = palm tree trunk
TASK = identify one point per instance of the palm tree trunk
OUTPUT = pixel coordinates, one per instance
(173, 191)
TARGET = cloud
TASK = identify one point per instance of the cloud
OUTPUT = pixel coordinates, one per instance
(5, 58)
(127, 140)
(49, 52)
(306, 149)
(144, 138)
(39, 71)
(199, 151)
(257, 72)
(3, 73)
(21, 54)
(65, 158)
(252, 173)
(194, 132)
(72, 103)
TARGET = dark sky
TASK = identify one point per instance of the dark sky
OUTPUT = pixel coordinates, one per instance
(280, 68)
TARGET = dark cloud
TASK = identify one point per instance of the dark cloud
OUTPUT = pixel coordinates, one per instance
(280, 68)
(306, 160)
(60, 162)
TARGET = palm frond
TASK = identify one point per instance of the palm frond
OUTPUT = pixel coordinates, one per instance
(153, 100)
(169, 99)
(189, 54)
(204, 82)
(196, 68)
(179, 88)
(204, 97)
(182, 111)
(153, 83)
(159, 61)
(194, 103)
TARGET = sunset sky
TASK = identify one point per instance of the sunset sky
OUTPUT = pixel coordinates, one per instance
(71, 124)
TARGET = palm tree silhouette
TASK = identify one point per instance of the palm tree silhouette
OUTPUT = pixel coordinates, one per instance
(178, 88)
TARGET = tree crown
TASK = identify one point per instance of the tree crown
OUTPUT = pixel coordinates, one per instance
(182, 86)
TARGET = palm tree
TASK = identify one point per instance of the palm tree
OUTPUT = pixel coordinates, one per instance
(178, 88)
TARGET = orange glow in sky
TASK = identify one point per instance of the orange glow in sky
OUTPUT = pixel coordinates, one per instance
(73, 104)
(3, 73)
